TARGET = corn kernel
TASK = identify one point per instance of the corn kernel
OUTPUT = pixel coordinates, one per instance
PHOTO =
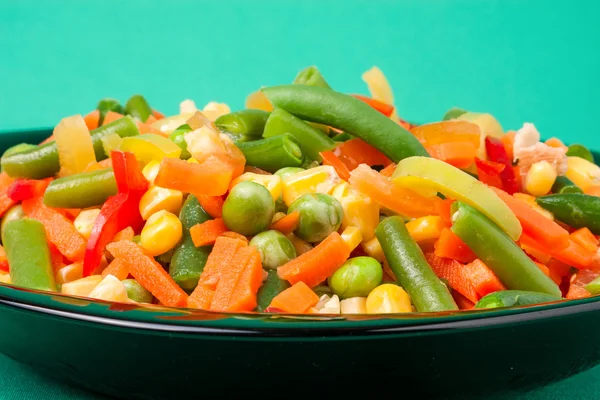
(540, 178)
(388, 298)
(109, 289)
(161, 233)
(5, 278)
(157, 199)
(373, 249)
(69, 273)
(354, 305)
(425, 228)
(315, 180)
(81, 287)
(352, 236)
(359, 210)
(583, 173)
(273, 183)
(150, 170)
(85, 221)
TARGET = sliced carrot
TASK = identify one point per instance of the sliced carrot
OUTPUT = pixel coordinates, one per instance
(458, 154)
(462, 302)
(454, 273)
(544, 269)
(296, 299)
(356, 151)
(579, 281)
(585, 238)
(92, 120)
(389, 170)
(574, 254)
(242, 296)
(158, 115)
(536, 254)
(482, 278)
(317, 264)
(393, 197)
(331, 159)
(449, 245)
(60, 230)
(211, 178)
(206, 233)
(149, 273)
(58, 260)
(543, 230)
(125, 234)
(5, 201)
(508, 142)
(151, 119)
(213, 205)
(118, 267)
(288, 223)
(111, 116)
(558, 270)
(201, 298)
(235, 235)
(219, 260)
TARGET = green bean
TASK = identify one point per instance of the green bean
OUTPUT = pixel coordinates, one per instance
(108, 104)
(272, 153)
(249, 122)
(43, 162)
(311, 140)
(348, 114)
(514, 298)
(343, 137)
(177, 136)
(562, 184)
(577, 210)
(87, 189)
(311, 76)
(410, 267)
(138, 107)
(454, 112)
(269, 289)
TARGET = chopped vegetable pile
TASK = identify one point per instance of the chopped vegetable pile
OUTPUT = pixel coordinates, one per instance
(308, 201)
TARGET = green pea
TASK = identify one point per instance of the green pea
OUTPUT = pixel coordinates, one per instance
(287, 171)
(356, 277)
(320, 214)
(13, 213)
(137, 292)
(248, 209)
(177, 138)
(274, 248)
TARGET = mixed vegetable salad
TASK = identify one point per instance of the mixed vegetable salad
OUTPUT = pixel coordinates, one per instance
(307, 201)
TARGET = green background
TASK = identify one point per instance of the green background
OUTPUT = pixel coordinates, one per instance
(523, 61)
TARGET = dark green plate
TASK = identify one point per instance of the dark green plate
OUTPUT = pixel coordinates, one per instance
(135, 352)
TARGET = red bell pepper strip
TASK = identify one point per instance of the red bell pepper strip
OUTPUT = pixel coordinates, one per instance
(384, 108)
(496, 152)
(24, 189)
(119, 211)
(356, 151)
(489, 172)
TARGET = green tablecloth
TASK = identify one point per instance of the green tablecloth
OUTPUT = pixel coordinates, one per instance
(522, 60)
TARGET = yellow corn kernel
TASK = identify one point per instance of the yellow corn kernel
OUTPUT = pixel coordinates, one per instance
(300, 245)
(352, 236)
(214, 110)
(583, 173)
(354, 305)
(161, 233)
(425, 228)
(109, 289)
(84, 221)
(150, 170)
(273, 183)
(388, 298)
(359, 210)
(540, 178)
(157, 199)
(315, 180)
(5, 278)
(531, 201)
(69, 273)
(81, 287)
(373, 249)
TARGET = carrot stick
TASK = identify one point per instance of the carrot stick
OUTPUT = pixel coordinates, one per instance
(118, 267)
(444, 210)
(235, 235)
(296, 299)
(125, 234)
(462, 302)
(316, 265)
(201, 298)
(580, 280)
(288, 223)
(206, 233)
(545, 231)
(388, 171)
(158, 115)
(458, 154)
(482, 278)
(149, 273)
(356, 151)
(92, 120)
(449, 245)
(585, 238)
(219, 260)
(454, 273)
(331, 159)
(558, 270)
(574, 254)
(59, 229)
(213, 205)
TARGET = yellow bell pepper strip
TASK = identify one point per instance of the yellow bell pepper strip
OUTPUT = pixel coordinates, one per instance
(119, 211)
(149, 147)
(416, 172)
(75, 147)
